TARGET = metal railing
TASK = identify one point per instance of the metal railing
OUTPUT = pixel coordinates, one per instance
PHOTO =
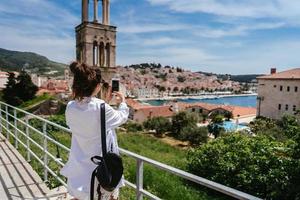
(10, 112)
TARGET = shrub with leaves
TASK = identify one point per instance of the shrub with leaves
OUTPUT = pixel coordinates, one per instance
(159, 124)
(215, 127)
(256, 165)
(195, 135)
(132, 126)
(183, 120)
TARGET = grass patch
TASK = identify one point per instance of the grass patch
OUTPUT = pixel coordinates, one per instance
(158, 182)
(36, 100)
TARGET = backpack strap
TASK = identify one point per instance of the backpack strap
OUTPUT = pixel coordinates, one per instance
(92, 187)
(103, 129)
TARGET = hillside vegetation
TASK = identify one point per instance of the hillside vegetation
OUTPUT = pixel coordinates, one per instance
(16, 60)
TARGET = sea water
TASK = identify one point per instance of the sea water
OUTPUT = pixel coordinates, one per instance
(245, 101)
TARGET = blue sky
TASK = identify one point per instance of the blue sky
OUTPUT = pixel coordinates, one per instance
(221, 36)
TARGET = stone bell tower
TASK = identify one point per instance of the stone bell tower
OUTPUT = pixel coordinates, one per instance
(96, 41)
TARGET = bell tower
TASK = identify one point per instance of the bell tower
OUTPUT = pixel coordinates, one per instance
(96, 41)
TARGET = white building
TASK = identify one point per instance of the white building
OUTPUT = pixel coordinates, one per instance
(145, 92)
(4, 78)
(38, 80)
(279, 93)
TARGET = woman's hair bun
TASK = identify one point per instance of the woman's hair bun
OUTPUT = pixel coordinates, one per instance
(86, 79)
(76, 67)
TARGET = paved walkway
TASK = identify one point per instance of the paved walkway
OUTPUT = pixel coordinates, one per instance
(17, 178)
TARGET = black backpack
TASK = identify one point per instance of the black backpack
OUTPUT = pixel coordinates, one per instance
(109, 168)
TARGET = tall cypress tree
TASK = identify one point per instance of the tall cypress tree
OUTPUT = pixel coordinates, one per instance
(10, 92)
(25, 88)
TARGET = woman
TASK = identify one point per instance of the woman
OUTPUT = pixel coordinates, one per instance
(83, 118)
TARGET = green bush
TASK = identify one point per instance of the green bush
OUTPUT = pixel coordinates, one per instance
(183, 120)
(290, 125)
(261, 124)
(216, 126)
(159, 124)
(195, 135)
(132, 126)
(228, 116)
(285, 128)
(256, 165)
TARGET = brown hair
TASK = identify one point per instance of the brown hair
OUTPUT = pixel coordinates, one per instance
(85, 81)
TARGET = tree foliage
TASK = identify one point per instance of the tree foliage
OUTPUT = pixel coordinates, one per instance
(10, 92)
(20, 89)
(132, 126)
(159, 124)
(195, 135)
(215, 127)
(256, 165)
(285, 128)
(182, 120)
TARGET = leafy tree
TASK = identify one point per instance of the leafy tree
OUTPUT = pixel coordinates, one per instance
(216, 126)
(181, 79)
(195, 135)
(228, 116)
(280, 130)
(262, 124)
(132, 126)
(256, 165)
(159, 124)
(25, 88)
(182, 120)
(143, 71)
(10, 92)
(290, 125)
(175, 89)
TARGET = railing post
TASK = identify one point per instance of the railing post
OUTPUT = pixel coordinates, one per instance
(27, 138)
(15, 126)
(1, 118)
(139, 179)
(45, 150)
(7, 126)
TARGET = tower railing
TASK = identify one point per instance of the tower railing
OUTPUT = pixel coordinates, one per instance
(15, 125)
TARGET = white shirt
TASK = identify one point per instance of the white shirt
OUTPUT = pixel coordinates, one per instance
(83, 118)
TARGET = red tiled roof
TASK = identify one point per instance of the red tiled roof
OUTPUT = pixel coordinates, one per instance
(134, 104)
(243, 111)
(157, 111)
(293, 74)
(235, 110)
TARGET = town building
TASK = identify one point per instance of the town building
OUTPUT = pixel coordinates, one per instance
(4, 78)
(140, 112)
(145, 92)
(38, 80)
(279, 93)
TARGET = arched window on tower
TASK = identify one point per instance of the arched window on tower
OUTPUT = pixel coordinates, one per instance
(107, 49)
(95, 54)
(101, 54)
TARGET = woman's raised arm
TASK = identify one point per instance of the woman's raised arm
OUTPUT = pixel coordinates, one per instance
(115, 118)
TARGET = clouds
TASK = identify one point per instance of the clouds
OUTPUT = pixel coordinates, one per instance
(226, 36)
(284, 9)
(39, 26)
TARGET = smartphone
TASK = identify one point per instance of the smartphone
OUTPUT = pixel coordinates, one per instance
(115, 85)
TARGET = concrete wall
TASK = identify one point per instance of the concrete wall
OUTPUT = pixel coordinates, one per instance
(269, 92)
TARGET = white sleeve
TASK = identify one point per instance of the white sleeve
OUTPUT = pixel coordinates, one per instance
(115, 118)
(67, 115)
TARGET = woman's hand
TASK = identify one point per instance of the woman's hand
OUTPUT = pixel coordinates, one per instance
(119, 97)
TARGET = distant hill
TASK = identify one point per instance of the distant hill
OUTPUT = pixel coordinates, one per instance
(245, 78)
(16, 60)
